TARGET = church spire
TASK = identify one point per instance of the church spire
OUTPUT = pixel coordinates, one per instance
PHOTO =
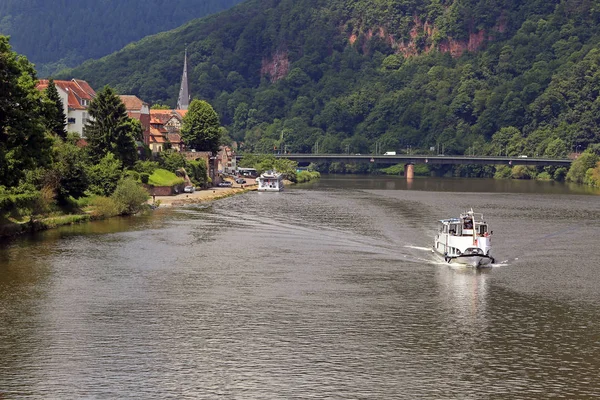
(184, 97)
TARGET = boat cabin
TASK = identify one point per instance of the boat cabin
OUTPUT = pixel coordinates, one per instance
(270, 181)
(464, 226)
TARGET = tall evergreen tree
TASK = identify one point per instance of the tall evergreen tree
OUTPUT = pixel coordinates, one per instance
(110, 130)
(23, 143)
(200, 130)
(55, 115)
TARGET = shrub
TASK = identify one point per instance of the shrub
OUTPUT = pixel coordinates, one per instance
(133, 175)
(543, 176)
(578, 170)
(129, 196)
(503, 172)
(197, 172)
(147, 167)
(306, 176)
(172, 160)
(144, 177)
(592, 176)
(104, 176)
(394, 169)
(521, 172)
(103, 207)
(560, 174)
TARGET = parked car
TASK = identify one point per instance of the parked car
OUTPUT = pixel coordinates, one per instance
(240, 180)
(225, 184)
(189, 189)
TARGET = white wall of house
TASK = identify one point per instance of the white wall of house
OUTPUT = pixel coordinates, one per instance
(76, 120)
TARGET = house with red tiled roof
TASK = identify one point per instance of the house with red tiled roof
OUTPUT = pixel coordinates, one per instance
(165, 130)
(76, 96)
(138, 109)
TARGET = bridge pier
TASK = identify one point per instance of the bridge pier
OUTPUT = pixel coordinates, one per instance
(409, 171)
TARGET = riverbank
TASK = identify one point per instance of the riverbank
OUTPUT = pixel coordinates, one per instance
(10, 228)
(200, 196)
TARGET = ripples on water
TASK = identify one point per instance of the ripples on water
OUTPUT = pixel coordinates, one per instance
(313, 293)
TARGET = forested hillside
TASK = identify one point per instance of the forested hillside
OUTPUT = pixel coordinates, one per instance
(467, 76)
(54, 33)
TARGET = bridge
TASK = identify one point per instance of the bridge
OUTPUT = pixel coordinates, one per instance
(423, 159)
(409, 160)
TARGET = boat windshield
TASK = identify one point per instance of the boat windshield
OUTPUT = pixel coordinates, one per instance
(483, 229)
(468, 223)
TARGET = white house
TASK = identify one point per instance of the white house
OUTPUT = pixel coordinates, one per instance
(76, 96)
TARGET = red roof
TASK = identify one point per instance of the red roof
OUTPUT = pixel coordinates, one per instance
(158, 139)
(175, 138)
(76, 90)
(132, 102)
(160, 116)
(85, 87)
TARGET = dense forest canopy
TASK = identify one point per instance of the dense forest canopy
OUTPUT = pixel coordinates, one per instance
(466, 76)
(54, 33)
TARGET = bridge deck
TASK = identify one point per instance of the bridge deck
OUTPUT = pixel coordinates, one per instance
(424, 159)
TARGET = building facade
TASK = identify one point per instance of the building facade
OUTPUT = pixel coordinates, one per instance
(140, 110)
(76, 96)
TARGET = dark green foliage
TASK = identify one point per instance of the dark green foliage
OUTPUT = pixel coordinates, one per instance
(111, 130)
(56, 120)
(147, 167)
(68, 171)
(531, 87)
(56, 34)
(200, 130)
(11, 202)
(104, 176)
(581, 165)
(172, 161)
(23, 143)
(197, 172)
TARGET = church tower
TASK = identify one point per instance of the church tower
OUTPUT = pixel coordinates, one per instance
(184, 97)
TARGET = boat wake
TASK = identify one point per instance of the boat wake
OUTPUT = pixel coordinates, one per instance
(418, 248)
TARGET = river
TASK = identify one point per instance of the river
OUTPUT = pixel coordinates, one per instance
(327, 290)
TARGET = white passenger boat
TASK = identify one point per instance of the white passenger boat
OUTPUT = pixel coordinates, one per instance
(466, 240)
(270, 181)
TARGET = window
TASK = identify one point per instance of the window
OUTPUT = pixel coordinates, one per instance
(71, 120)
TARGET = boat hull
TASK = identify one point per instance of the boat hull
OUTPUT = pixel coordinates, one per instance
(471, 260)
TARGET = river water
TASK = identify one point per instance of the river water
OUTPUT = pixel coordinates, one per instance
(327, 290)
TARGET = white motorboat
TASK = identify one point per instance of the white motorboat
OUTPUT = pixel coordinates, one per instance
(466, 240)
(270, 181)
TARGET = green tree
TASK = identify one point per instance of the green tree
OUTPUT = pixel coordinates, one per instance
(197, 171)
(56, 119)
(159, 106)
(579, 168)
(69, 171)
(23, 143)
(104, 175)
(172, 160)
(200, 130)
(110, 130)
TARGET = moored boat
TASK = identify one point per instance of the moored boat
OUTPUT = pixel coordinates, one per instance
(270, 181)
(466, 240)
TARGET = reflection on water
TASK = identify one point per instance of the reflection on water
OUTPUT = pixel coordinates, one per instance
(327, 290)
